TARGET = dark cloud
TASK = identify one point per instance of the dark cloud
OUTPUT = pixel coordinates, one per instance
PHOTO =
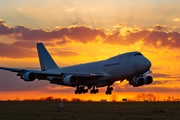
(1, 21)
(79, 33)
(137, 36)
(4, 30)
(157, 75)
(155, 38)
(30, 44)
(164, 81)
(163, 39)
(115, 38)
(159, 27)
(150, 88)
(22, 50)
(10, 82)
(12, 51)
(25, 44)
(62, 41)
(132, 38)
(85, 34)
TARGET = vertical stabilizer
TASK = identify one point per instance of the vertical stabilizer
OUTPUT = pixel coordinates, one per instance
(45, 59)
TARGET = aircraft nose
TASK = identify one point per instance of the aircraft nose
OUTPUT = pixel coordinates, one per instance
(142, 65)
(147, 64)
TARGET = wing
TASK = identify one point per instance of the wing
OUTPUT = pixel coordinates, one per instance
(22, 71)
(53, 76)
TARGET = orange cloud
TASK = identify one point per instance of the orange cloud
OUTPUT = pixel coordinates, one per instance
(30, 44)
(176, 20)
(64, 53)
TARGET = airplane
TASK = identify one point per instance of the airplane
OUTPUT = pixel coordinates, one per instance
(131, 66)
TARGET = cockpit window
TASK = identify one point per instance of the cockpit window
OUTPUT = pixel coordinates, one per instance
(137, 54)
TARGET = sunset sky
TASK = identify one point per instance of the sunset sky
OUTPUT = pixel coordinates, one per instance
(81, 31)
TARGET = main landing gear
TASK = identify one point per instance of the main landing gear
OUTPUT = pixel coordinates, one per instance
(94, 90)
(109, 90)
(80, 89)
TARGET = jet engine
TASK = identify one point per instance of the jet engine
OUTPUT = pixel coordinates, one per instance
(147, 79)
(28, 76)
(141, 80)
(70, 80)
(137, 81)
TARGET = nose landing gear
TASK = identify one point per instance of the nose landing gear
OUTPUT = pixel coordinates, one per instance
(109, 90)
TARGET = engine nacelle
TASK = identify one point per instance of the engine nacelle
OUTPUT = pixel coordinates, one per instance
(147, 79)
(70, 80)
(28, 76)
(137, 82)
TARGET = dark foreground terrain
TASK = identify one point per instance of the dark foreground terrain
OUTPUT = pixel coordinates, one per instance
(48, 110)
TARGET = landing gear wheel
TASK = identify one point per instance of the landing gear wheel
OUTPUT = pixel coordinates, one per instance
(94, 91)
(86, 90)
(109, 90)
(80, 89)
(80, 92)
(97, 90)
(91, 91)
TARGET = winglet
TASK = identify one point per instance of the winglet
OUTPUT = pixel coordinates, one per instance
(45, 59)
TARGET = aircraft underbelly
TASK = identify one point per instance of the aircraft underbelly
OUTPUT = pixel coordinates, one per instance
(95, 81)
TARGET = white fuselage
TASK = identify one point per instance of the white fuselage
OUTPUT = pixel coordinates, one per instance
(120, 67)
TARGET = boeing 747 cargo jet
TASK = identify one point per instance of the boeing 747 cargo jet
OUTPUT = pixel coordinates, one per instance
(132, 66)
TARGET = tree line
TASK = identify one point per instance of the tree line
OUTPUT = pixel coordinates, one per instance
(151, 97)
(114, 98)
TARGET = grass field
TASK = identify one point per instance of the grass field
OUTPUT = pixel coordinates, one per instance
(48, 110)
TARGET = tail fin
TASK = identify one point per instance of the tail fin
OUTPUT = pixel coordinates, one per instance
(45, 59)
